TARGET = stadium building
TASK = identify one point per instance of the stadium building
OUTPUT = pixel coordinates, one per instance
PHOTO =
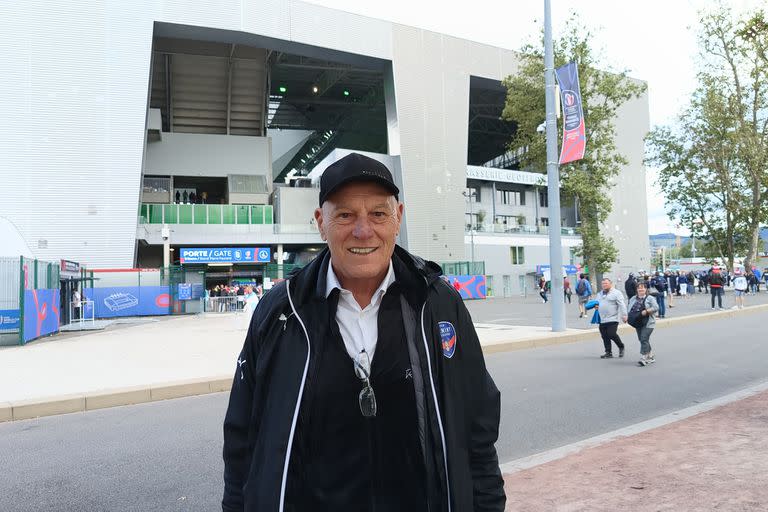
(142, 133)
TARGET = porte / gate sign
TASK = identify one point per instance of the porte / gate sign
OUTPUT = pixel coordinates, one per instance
(226, 255)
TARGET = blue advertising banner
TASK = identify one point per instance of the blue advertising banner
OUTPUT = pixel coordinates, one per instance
(41, 313)
(226, 255)
(119, 301)
(469, 287)
(569, 269)
(185, 291)
(574, 131)
(9, 319)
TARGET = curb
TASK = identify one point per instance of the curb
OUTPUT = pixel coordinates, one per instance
(589, 334)
(28, 409)
(65, 404)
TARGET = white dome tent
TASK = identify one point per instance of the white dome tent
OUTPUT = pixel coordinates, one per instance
(13, 244)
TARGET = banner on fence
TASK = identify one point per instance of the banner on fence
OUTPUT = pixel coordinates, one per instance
(469, 287)
(185, 291)
(9, 319)
(41, 313)
(117, 301)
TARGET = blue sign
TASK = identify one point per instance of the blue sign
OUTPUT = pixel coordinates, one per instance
(569, 269)
(9, 319)
(117, 301)
(226, 255)
(185, 291)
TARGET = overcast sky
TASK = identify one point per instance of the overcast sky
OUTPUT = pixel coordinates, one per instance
(655, 40)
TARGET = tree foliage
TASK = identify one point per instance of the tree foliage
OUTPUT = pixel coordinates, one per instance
(604, 91)
(713, 160)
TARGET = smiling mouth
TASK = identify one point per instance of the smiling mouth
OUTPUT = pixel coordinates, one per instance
(362, 251)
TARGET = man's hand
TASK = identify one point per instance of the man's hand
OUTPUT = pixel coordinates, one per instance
(624, 319)
(644, 312)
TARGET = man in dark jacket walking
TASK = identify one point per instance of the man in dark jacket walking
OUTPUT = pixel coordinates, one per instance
(362, 384)
(630, 286)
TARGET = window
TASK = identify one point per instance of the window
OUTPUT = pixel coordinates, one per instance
(471, 221)
(517, 255)
(511, 197)
(543, 199)
(473, 192)
(545, 221)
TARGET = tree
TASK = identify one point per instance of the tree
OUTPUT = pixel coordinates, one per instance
(698, 175)
(587, 181)
(714, 162)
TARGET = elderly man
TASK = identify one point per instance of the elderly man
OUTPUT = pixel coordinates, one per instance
(612, 310)
(362, 385)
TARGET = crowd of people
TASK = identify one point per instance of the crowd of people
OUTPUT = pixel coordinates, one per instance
(232, 297)
(648, 297)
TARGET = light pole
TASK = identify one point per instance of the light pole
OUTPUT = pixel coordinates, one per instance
(469, 195)
(553, 179)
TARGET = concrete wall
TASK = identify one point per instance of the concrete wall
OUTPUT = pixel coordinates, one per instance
(295, 206)
(628, 222)
(193, 154)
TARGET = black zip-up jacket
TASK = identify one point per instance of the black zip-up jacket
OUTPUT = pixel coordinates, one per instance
(458, 404)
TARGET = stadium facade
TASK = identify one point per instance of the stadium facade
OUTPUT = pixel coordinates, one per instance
(132, 129)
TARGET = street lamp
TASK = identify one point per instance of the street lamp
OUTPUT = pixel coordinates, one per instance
(469, 195)
(553, 177)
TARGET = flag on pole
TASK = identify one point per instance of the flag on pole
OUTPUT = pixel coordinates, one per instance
(574, 136)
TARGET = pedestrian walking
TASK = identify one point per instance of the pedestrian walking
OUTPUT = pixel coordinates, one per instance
(362, 384)
(671, 287)
(642, 309)
(567, 292)
(584, 293)
(543, 289)
(612, 309)
(682, 284)
(658, 290)
(740, 288)
(77, 304)
(716, 283)
(630, 286)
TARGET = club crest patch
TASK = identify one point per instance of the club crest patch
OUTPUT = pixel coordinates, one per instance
(447, 338)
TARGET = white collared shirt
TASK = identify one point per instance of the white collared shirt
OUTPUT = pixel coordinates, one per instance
(359, 327)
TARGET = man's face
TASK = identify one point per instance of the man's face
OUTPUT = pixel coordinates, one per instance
(360, 222)
(606, 285)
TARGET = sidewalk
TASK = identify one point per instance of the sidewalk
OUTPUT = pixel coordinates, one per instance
(179, 356)
(717, 460)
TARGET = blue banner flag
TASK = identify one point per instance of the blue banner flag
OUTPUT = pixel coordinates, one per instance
(574, 131)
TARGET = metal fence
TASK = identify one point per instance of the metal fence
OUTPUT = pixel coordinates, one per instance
(17, 277)
(472, 268)
(151, 213)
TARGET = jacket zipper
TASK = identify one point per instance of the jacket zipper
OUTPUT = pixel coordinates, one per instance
(298, 398)
(437, 409)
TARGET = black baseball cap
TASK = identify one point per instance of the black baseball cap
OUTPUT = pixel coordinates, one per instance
(355, 167)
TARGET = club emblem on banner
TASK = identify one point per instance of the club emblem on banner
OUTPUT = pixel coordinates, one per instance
(447, 338)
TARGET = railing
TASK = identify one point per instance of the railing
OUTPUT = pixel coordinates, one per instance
(526, 230)
(226, 304)
(205, 214)
(463, 268)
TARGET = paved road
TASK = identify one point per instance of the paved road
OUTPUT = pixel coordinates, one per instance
(530, 310)
(165, 456)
